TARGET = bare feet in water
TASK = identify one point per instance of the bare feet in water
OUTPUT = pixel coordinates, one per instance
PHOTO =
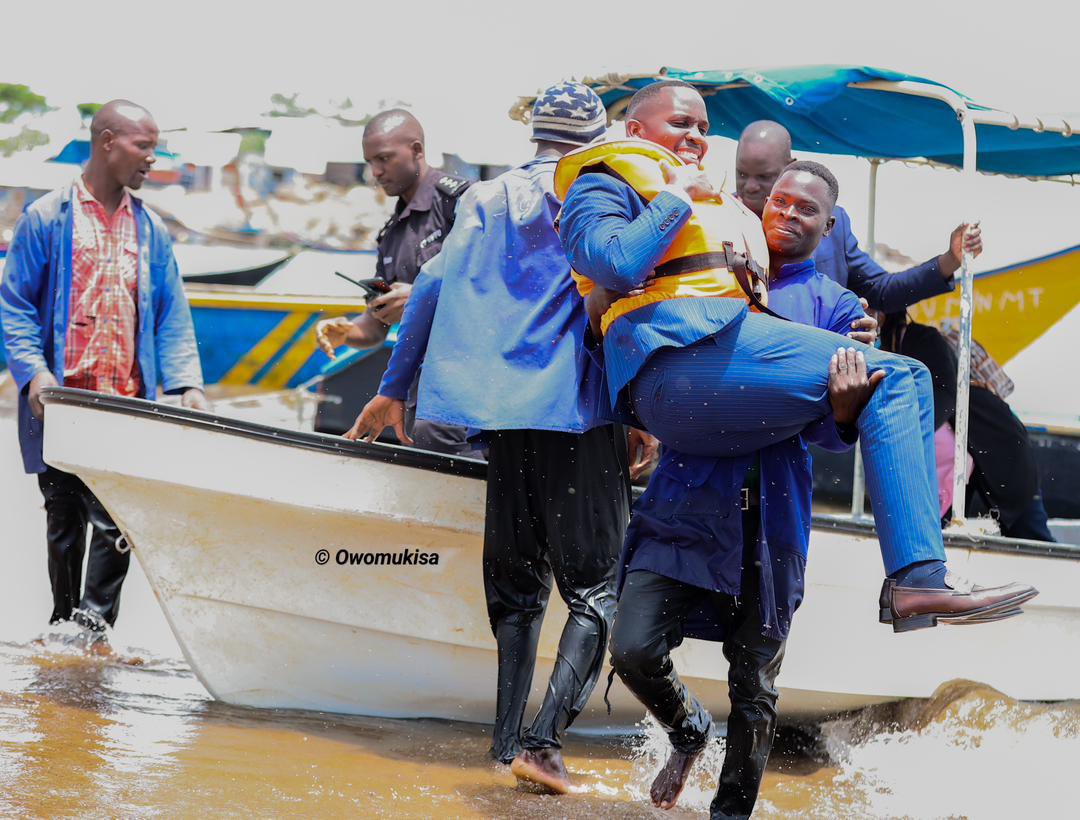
(544, 768)
(671, 780)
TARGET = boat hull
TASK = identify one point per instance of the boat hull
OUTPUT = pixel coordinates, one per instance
(228, 521)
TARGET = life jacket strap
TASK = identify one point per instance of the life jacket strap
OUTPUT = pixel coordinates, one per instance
(742, 268)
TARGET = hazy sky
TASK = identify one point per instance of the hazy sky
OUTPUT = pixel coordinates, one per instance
(226, 57)
(462, 65)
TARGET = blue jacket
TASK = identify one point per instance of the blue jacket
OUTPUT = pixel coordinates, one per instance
(497, 320)
(687, 525)
(615, 239)
(35, 296)
(841, 259)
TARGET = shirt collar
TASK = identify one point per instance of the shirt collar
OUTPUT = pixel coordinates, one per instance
(806, 268)
(423, 198)
(84, 195)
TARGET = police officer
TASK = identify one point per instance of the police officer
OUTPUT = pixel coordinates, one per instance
(423, 216)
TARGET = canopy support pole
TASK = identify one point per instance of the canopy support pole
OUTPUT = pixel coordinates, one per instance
(858, 478)
(963, 372)
(967, 120)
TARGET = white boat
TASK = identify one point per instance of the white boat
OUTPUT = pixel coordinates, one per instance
(230, 519)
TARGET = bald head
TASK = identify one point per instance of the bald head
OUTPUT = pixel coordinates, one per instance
(763, 153)
(397, 124)
(394, 152)
(119, 117)
(123, 139)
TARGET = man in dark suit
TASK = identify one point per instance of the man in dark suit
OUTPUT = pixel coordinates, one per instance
(763, 153)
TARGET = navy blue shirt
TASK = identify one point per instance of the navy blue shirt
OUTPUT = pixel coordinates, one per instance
(688, 525)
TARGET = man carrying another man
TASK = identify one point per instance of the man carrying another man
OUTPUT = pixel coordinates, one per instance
(91, 298)
(414, 234)
(707, 377)
(691, 567)
(499, 327)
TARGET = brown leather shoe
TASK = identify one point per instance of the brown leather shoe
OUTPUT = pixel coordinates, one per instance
(908, 608)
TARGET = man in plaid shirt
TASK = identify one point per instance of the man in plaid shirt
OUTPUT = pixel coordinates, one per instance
(91, 298)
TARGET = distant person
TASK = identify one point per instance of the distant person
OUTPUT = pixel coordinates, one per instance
(1005, 477)
(91, 298)
(765, 150)
(414, 234)
(500, 327)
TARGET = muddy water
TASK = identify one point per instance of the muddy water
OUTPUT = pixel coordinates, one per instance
(136, 735)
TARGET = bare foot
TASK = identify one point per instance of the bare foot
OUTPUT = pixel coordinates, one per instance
(671, 780)
(544, 768)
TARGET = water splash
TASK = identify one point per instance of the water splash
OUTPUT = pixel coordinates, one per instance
(968, 751)
(652, 752)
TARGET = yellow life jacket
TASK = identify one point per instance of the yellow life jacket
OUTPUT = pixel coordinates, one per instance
(696, 257)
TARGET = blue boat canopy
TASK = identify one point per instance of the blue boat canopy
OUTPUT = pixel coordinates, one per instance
(866, 112)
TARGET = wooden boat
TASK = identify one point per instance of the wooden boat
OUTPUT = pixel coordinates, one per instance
(225, 265)
(231, 522)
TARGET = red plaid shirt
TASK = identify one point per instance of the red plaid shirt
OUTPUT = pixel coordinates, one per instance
(100, 351)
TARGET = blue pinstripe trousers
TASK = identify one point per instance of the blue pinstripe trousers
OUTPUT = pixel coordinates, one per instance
(762, 380)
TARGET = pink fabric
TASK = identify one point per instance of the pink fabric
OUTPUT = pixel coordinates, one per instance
(944, 450)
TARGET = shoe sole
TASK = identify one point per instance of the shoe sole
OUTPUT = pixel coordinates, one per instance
(984, 619)
(976, 616)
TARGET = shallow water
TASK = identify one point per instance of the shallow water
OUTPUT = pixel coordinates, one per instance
(137, 735)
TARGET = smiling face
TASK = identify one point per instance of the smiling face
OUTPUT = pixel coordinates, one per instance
(128, 148)
(797, 214)
(675, 118)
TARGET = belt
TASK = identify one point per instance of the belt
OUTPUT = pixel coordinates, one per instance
(749, 498)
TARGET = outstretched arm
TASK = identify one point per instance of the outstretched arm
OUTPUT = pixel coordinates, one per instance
(891, 292)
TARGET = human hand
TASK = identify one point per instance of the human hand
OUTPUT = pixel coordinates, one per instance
(194, 399)
(965, 237)
(599, 301)
(330, 334)
(690, 178)
(378, 414)
(33, 394)
(389, 307)
(849, 387)
(864, 330)
(643, 448)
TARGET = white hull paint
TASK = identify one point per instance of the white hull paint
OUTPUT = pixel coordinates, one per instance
(227, 526)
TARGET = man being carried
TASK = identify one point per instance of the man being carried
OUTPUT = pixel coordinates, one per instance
(763, 153)
(694, 367)
(423, 216)
(499, 327)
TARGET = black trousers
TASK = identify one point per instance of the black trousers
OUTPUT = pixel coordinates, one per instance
(557, 509)
(69, 508)
(649, 625)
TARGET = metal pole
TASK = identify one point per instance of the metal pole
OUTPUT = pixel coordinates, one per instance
(963, 373)
(858, 478)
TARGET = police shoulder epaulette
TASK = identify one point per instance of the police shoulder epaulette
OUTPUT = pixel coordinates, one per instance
(452, 186)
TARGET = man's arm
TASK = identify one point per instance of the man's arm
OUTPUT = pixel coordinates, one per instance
(603, 239)
(893, 292)
(174, 332)
(387, 409)
(25, 274)
(414, 332)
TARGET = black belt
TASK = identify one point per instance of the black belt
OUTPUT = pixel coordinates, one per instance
(742, 267)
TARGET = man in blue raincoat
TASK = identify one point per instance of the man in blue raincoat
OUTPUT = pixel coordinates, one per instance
(91, 298)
